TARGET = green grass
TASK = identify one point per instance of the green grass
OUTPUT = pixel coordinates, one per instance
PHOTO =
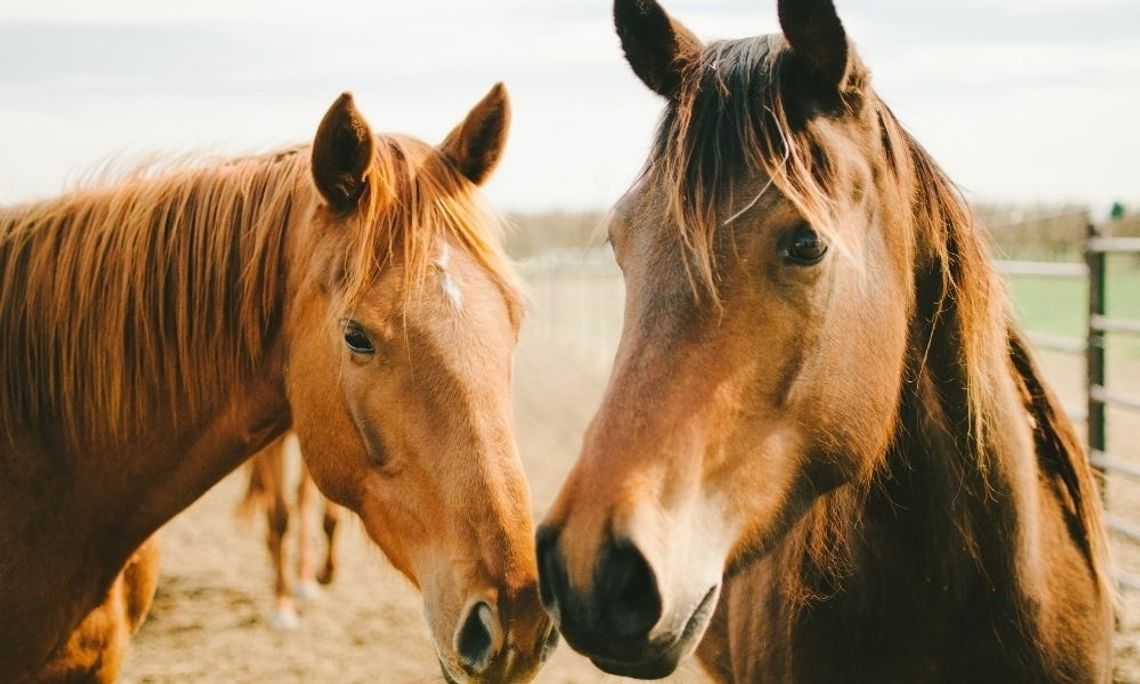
(1059, 306)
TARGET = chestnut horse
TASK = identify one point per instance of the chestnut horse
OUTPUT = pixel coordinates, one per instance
(824, 446)
(160, 330)
(266, 493)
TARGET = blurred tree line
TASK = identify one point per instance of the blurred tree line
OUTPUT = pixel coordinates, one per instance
(1040, 233)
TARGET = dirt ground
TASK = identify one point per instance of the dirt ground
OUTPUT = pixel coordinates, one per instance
(208, 622)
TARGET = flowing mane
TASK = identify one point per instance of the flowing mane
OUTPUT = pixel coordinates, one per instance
(822, 426)
(736, 114)
(416, 196)
(117, 299)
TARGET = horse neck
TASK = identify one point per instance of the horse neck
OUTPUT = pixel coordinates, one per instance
(956, 482)
(960, 500)
(955, 474)
(145, 302)
(197, 386)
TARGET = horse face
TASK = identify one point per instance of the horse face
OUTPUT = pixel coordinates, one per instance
(401, 396)
(734, 402)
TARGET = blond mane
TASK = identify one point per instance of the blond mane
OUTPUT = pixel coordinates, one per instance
(158, 293)
(415, 198)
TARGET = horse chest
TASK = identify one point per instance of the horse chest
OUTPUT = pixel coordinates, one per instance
(921, 630)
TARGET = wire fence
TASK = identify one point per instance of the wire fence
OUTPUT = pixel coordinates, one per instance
(577, 302)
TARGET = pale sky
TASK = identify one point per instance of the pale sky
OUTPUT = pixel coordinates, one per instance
(1020, 100)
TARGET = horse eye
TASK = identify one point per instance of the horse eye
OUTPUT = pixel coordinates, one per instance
(805, 247)
(357, 340)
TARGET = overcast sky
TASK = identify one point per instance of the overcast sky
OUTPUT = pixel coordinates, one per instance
(1021, 100)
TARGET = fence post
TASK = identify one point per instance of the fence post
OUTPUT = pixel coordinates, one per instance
(1096, 348)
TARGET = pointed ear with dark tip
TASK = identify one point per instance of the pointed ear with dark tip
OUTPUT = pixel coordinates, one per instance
(657, 46)
(818, 40)
(342, 154)
(476, 144)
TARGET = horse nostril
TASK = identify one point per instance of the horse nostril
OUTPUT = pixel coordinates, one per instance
(550, 570)
(628, 591)
(475, 640)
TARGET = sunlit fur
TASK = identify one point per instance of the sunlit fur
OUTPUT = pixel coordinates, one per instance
(116, 295)
(94, 652)
(162, 327)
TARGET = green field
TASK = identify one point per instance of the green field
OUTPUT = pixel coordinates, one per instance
(1059, 306)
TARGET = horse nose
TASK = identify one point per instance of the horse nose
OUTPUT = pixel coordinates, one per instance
(628, 589)
(551, 570)
(479, 638)
(622, 607)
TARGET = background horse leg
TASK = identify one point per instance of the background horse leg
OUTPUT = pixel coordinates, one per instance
(307, 498)
(332, 516)
(267, 491)
(277, 517)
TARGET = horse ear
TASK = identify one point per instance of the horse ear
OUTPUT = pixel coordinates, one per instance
(476, 144)
(657, 46)
(342, 154)
(818, 40)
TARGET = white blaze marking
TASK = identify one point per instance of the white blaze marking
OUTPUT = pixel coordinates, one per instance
(450, 288)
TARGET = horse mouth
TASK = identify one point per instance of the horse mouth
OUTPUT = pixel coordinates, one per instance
(663, 661)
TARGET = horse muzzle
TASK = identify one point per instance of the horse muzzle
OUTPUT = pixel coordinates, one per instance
(619, 623)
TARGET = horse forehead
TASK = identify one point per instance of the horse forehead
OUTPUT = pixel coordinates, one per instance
(462, 307)
(466, 285)
(451, 288)
(625, 210)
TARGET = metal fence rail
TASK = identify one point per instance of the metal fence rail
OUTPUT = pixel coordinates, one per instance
(1092, 348)
(1043, 269)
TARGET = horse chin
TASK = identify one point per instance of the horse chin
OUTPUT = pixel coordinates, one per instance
(656, 669)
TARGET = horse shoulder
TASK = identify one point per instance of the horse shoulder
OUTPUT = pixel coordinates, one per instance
(94, 651)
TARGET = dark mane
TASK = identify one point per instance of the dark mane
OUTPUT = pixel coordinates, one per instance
(738, 116)
(1058, 445)
(732, 117)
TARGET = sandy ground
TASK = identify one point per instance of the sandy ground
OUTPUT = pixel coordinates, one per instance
(208, 622)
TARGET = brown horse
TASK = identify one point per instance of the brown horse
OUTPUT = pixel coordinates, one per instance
(161, 329)
(823, 435)
(268, 474)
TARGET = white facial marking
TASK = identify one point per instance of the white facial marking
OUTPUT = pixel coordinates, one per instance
(450, 287)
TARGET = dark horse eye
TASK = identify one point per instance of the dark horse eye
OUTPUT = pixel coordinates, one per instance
(357, 340)
(805, 247)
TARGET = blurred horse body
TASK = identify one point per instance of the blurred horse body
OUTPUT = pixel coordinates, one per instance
(267, 492)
